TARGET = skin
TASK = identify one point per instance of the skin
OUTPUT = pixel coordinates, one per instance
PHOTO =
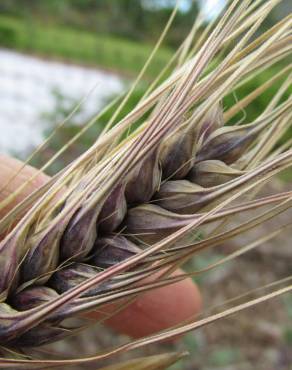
(151, 312)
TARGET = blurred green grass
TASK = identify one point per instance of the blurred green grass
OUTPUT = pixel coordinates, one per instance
(121, 55)
(78, 46)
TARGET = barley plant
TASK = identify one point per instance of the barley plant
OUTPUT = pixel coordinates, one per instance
(147, 198)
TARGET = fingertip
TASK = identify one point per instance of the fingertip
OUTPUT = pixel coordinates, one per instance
(15, 175)
(159, 309)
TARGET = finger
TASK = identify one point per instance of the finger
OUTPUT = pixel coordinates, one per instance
(13, 175)
(152, 311)
(157, 310)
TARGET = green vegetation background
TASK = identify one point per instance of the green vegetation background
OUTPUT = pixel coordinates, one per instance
(116, 35)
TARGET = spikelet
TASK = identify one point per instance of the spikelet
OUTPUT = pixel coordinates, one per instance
(212, 172)
(79, 236)
(68, 277)
(151, 223)
(110, 250)
(177, 155)
(113, 211)
(42, 256)
(213, 121)
(227, 144)
(144, 181)
(42, 334)
(182, 196)
(32, 297)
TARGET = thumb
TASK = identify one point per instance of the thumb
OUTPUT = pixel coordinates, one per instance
(13, 175)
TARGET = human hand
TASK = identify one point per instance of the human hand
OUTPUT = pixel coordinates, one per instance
(152, 311)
